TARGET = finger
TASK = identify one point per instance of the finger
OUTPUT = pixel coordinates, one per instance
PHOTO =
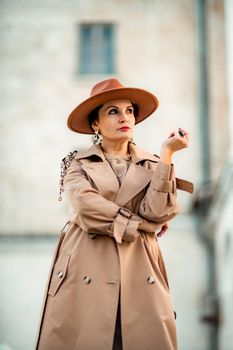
(182, 132)
(183, 136)
(161, 233)
(171, 134)
(163, 230)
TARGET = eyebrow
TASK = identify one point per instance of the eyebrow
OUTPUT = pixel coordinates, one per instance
(116, 107)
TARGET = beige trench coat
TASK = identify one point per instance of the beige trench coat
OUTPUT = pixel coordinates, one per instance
(103, 255)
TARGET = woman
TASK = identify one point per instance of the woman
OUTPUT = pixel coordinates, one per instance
(108, 287)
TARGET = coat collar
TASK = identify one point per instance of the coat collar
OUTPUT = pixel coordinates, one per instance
(138, 155)
(101, 173)
(95, 150)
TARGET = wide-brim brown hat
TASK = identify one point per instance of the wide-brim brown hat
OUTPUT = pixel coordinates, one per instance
(105, 91)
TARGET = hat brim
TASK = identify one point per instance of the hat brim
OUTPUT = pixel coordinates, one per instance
(78, 119)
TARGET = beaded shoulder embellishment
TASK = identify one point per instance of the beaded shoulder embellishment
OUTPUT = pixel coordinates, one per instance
(65, 163)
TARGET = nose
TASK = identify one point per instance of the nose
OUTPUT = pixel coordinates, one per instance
(124, 117)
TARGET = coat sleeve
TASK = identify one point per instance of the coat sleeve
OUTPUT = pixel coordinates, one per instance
(94, 213)
(160, 202)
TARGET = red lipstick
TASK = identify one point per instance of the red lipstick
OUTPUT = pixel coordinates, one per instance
(124, 128)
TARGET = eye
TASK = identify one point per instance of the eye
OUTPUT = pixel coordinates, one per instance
(130, 110)
(113, 111)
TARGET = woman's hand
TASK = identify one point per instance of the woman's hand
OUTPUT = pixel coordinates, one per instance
(174, 143)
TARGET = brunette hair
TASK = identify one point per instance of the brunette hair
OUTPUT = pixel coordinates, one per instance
(95, 113)
(93, 116)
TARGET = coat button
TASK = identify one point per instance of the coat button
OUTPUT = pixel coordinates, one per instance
(151, 280)
(60, 274)
(87, 279)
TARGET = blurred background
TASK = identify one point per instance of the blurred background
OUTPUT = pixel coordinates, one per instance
(52, 53)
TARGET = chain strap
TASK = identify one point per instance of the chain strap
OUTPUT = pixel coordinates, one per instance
(65, 163)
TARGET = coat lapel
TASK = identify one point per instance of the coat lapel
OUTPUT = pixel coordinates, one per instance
(137, 177)
(104, 178)
(135, 180)
(101, 173)
(98, 169)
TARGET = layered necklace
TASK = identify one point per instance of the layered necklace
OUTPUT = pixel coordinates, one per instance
(119, 164)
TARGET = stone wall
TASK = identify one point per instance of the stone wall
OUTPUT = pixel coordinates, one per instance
(155, 49)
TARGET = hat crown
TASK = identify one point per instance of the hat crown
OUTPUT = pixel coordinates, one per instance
(106, 85)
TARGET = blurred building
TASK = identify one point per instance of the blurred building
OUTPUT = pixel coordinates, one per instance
(52, 53)
(215, 209)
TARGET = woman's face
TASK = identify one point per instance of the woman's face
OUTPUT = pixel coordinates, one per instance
(116, 120)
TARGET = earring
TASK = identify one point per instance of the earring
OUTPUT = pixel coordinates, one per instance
(96, 137)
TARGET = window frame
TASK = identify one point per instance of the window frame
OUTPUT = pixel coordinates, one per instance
(82, 71)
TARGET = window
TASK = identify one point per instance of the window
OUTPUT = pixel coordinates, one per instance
(96, 51)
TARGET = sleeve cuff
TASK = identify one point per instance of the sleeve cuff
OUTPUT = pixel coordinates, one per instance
(164, 171)
(125, 226)
(163, 186)
(163, 178)
(131, 232)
